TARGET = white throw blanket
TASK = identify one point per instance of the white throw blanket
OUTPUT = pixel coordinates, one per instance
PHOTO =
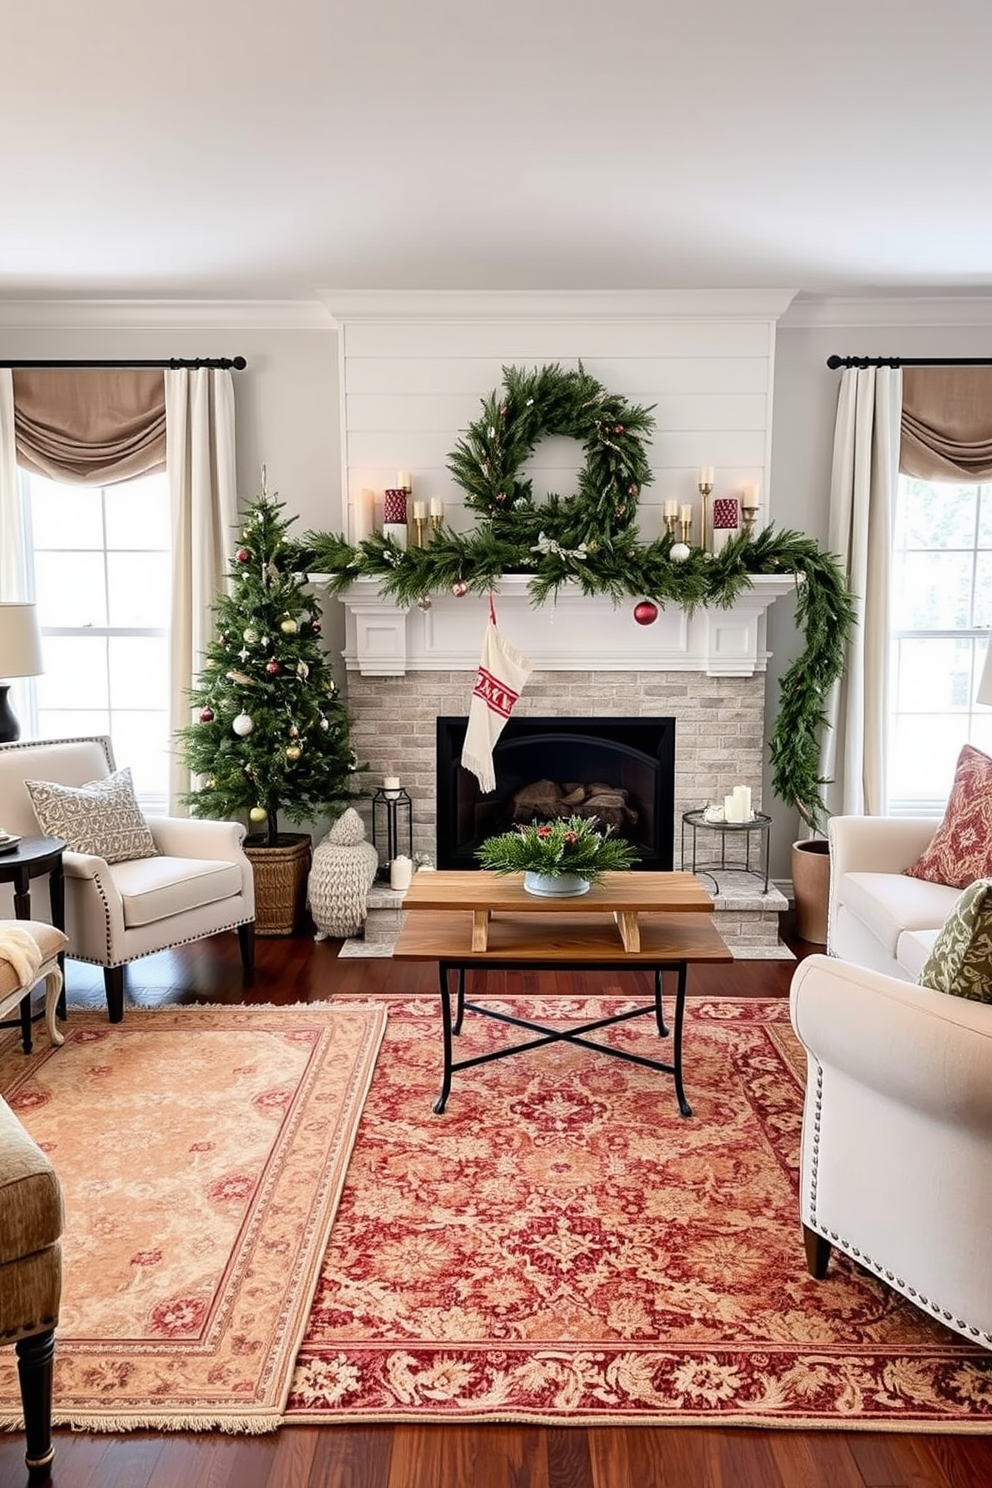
(499, 682)
(21, 950)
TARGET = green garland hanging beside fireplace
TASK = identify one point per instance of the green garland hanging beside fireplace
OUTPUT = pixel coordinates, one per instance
(590, 540)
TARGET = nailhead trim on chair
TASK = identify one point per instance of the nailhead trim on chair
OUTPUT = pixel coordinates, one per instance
(869, 1261)
(188, 940)
(26, 1329)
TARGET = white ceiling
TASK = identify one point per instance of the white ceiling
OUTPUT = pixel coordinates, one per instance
(271, 149)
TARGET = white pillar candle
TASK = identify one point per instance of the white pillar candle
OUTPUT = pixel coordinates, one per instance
(437, 507)
(419, 511)
(749, 497)
(400, 872)
(742, 803)
(706, 475)
(686, 513)
(362, 516)
(391, 784)
(671, 509)
(730, 809)
(403, 480)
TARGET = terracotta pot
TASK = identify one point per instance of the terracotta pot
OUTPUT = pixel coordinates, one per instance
(811, 888)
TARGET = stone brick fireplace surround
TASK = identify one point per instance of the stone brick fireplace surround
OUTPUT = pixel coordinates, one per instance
(408, 668)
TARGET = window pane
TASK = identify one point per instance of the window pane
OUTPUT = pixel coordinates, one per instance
(935, 515)
(931, 591)
(139, 589)
(922, 759)
(933, 676)
(141, 741)
(139, 671)
(63, 723)
(75, 674)
(65, 516)
(138, 513)
(69, 589)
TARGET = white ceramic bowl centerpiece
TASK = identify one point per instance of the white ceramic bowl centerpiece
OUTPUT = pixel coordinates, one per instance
(558, 859)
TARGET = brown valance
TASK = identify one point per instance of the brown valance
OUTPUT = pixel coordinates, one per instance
(946, 423)
(90, 426)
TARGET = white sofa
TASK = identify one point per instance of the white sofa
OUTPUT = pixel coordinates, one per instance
(896, 1167)
(877, 916)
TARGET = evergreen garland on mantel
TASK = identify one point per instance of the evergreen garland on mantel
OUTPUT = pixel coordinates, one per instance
(590, 540)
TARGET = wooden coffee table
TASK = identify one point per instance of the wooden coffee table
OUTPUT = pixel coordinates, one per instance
(654, 922)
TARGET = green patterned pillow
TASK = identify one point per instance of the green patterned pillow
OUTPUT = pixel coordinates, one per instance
(102, 817)
(961, 960)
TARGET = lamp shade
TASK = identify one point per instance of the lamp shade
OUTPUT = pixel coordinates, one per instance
(20, 643)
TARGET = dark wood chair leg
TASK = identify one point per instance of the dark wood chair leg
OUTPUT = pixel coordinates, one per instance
(113, 982)
(246, 940)
(817, 1253)
(35, 1369)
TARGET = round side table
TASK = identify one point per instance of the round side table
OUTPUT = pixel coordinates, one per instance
(18, 865)
(695, 822)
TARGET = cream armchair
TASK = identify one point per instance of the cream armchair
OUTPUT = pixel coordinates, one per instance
(199, 885)
(896, 1166)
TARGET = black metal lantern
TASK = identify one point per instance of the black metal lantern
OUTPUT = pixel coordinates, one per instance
(392, 824)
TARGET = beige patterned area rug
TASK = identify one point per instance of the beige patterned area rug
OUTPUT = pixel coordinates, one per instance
(202, 1154)
(562, 1247)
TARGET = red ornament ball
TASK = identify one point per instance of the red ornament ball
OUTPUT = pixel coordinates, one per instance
(206, 715)
(242, 555)
(645, 612)
(272, 666)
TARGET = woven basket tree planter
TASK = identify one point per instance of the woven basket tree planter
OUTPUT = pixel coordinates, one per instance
(280, 881)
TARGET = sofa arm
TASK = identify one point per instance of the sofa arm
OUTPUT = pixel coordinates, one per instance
(877, 844)
(924, 1050)
(193, 837)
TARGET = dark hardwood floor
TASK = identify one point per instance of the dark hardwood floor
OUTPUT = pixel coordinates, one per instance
(294, 970)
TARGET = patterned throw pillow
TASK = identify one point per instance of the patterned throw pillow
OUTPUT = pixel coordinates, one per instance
(348, 830)
(961, 848)
(101, 817)
(961, 959)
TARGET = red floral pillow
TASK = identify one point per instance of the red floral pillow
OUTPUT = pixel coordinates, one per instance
(961, 848)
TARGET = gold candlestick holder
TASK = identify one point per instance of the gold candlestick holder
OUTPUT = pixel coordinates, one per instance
(749, 515)
(671, 522)
(685, 529)
(436, 522)
(705, 487)
(419, 526)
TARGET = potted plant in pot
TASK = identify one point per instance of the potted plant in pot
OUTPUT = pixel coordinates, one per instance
(558, 859)
(271, 733)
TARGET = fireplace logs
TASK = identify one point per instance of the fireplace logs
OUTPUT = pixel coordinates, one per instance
(546, 800)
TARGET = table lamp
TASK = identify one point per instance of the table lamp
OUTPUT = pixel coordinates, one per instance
(20, 656)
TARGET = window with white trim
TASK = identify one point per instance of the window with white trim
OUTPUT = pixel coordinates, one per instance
(941, 611)
(101, 581)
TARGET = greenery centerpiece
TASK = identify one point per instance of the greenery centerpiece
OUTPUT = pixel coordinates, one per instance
(558, 858)
(591, 540)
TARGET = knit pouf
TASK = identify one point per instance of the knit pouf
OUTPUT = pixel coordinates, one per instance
(340, 878)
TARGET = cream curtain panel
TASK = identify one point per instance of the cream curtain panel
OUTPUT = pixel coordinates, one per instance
(947, 423)
(203, 494)
(862, 502)
(92, 426)
(12, 537)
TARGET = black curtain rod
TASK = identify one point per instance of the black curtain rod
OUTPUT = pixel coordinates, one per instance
(238, 363)
(833, 362)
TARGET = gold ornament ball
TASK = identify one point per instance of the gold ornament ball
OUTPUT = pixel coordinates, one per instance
(251, 636)
(293, 751)
(257, 814)
(288, 627)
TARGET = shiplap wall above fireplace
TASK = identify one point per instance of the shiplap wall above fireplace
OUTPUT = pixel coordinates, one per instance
(414, 368)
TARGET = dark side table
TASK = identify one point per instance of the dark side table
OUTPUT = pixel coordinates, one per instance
(758, 826)
(32, 857)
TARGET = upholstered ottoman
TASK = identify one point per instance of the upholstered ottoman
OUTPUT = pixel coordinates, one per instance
(29, 952)
(30, 1278)
(343, 870)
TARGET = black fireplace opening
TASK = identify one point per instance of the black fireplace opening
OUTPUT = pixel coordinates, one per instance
(619, 770)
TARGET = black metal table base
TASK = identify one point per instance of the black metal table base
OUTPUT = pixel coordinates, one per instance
(451, 1026)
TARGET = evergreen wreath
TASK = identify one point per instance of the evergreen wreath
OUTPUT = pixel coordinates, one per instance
(591, 540)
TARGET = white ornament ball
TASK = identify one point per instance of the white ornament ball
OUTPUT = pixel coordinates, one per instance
(243, 725)
(251, 636)
(680, 552)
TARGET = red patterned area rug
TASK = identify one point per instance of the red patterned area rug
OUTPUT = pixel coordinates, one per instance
(562, 1247)
(202, 1153)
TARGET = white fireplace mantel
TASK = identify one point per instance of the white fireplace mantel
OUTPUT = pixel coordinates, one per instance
(574, 632)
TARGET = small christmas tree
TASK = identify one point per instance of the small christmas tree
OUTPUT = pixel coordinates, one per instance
(272, 733)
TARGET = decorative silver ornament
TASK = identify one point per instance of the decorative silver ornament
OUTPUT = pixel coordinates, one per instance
(425, 603)
(680, 552)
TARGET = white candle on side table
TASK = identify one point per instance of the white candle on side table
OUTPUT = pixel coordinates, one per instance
(400, 873)
(391, 785)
